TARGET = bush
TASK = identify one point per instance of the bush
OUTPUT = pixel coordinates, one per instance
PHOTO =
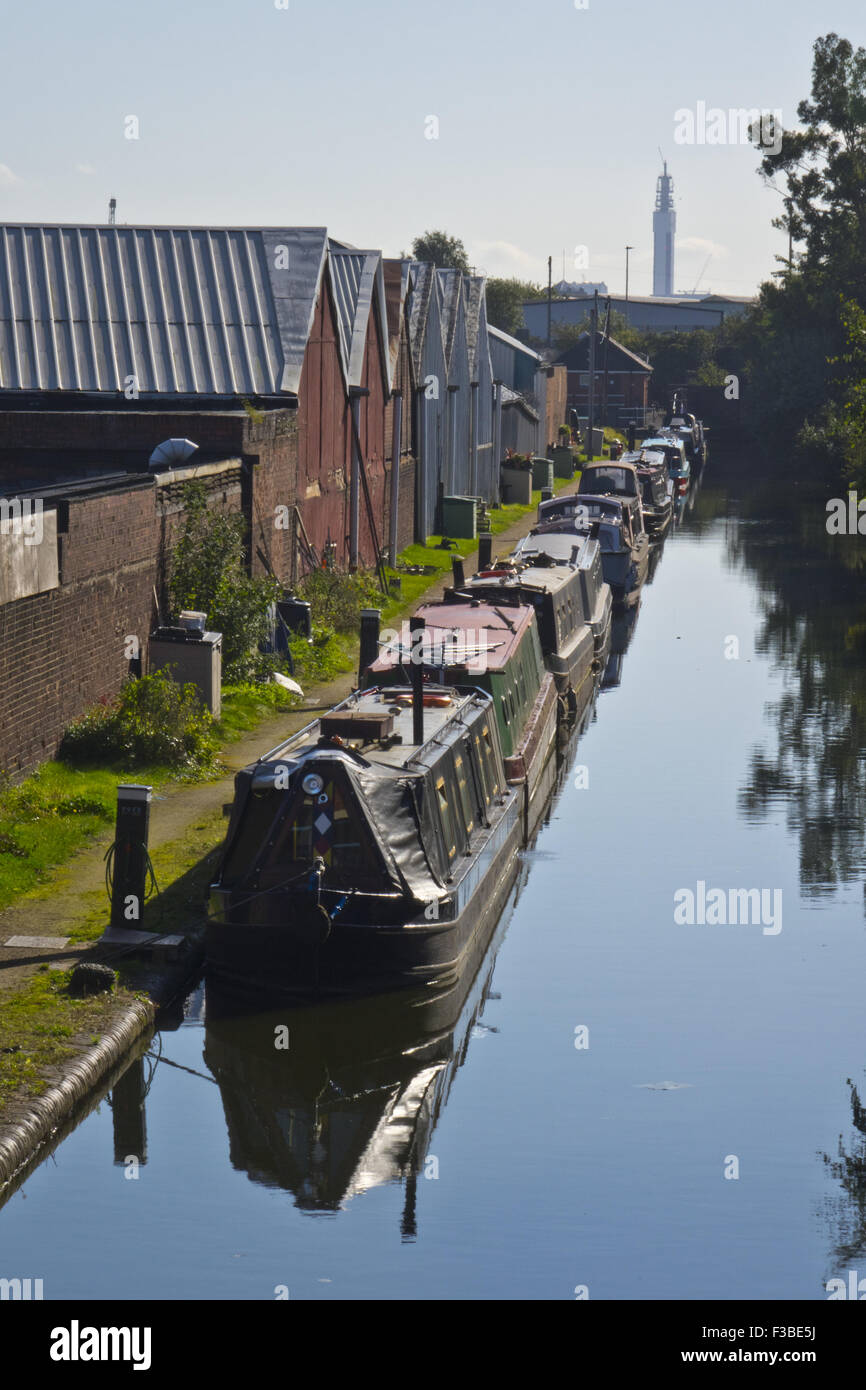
(154, 720)
(209, 574)
(337, 598)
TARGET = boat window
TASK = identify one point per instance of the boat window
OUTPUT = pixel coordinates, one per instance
(328, 826)
(463, 788)
(484, 743)
(447, 818)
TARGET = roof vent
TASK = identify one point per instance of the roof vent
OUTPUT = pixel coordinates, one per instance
(171, 451)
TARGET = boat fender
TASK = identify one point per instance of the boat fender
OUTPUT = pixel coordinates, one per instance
(571, 700)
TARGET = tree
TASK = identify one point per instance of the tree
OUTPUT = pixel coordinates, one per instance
(440, 249)
(809, 348)
(505, 300)
(209, 575)
(824, 163)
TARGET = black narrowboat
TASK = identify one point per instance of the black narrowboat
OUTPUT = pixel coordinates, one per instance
(365, 852)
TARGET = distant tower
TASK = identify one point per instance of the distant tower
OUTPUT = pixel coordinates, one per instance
(664, 228)
(112, 211)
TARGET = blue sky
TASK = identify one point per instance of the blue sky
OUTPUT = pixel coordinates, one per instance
(549, 122)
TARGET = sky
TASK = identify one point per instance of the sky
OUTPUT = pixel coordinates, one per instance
(527, 130)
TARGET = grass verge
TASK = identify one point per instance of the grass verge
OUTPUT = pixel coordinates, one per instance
(42, 1025)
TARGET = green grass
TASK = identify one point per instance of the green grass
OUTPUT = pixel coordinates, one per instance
(38, 1028)
(52, 814)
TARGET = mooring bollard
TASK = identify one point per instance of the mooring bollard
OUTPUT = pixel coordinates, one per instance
(130, 859)
(371, 619)
(485, 550)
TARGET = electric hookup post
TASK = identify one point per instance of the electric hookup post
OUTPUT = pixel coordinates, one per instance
(130, 859)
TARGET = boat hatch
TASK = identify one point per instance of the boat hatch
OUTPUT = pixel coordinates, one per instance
(282, 833)
(366, 725)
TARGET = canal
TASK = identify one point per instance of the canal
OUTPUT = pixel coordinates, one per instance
(631, 1099)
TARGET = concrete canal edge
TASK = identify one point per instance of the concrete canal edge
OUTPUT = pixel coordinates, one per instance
(46, 1119)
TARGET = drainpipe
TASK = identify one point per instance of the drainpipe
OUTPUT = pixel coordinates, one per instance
(452, 440)
(497, 434)
(355, 394)
(396, 449)
(473, 442)
(421, 466)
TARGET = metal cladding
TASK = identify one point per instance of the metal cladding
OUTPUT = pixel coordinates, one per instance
(186, 311)
(355, 278)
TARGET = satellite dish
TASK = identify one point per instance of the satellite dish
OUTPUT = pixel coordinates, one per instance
(171, 451)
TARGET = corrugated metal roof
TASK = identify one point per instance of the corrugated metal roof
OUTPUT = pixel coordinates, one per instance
(397, 276)
(422, 288)
(450, 284)
(513, 342)
(356, 279)
(186, 311)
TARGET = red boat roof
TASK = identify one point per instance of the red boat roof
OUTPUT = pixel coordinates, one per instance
(464, 631)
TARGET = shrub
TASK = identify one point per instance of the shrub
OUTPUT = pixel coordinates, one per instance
(337, 598)
(209, 574)
(154, 720)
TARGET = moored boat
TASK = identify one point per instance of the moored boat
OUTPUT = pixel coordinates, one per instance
(572, 607)
(676, 458)
(365, 852)
(497, 649)
(657, 492)
(616, 522)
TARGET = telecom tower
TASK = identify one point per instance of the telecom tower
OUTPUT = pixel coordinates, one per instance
(664, 228)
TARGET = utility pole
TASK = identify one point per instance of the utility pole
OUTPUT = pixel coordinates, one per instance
(627, 249)
(590, 422)
(549, 295)
(627, 404)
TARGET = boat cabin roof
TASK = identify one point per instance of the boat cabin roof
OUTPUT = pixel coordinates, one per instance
(665, 443)
(581, 505)
(518, 573)
(376, 727)
(458, 633)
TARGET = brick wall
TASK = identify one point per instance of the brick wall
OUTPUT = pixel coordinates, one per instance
(65, 650)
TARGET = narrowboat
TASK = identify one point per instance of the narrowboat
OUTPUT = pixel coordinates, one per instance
(498, 650)
(676, 458)
(617, 523)
(657, 493)
(365, 852)
(572, 605)
(613, 480)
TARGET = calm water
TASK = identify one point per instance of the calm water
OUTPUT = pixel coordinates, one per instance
(470, 1149)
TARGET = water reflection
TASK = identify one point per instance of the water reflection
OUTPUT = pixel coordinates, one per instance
(810, 616)
(849, 1169)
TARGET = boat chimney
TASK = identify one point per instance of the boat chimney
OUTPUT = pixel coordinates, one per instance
(416, 633)
(458, 571)
(370, 622)
(485, 550)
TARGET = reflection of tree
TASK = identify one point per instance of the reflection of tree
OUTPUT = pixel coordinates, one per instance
(849, 1169)
(808, 591)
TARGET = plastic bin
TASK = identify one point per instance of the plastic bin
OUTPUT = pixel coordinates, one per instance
(458, 518)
